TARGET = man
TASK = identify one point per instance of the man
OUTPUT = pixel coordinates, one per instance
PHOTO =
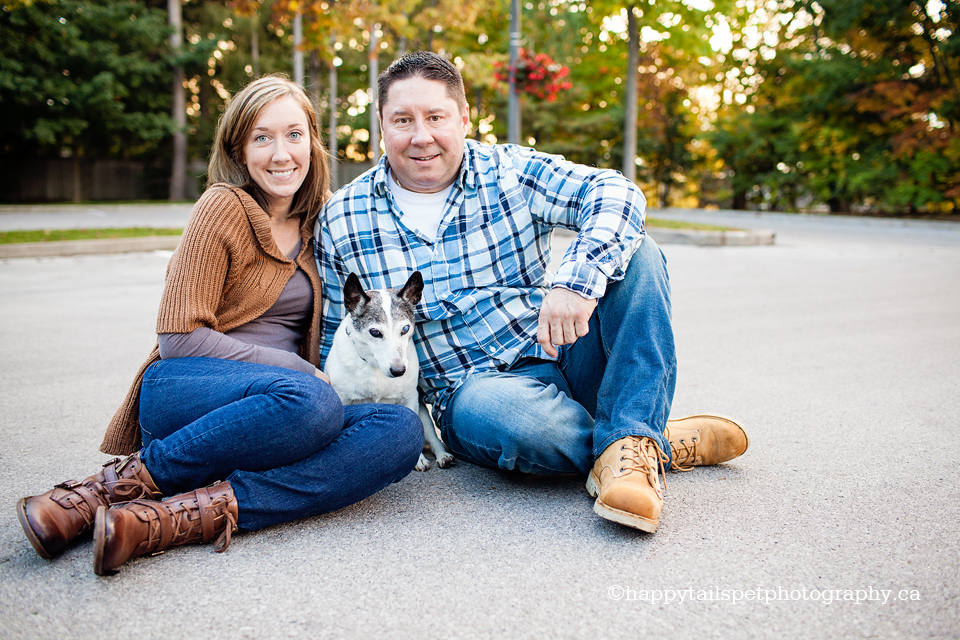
(571, 376)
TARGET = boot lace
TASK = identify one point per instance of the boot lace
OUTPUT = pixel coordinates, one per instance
(102, 489)
(172, 525)
(645, 457)
(224, 540)
(83, 499)
(126, 490)
(119, 488)
(684, 453)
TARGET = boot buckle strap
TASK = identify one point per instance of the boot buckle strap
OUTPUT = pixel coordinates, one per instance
(79, 497)
(207, 515)
(168, 531)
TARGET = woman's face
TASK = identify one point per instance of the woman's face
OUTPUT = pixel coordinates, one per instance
(277, 152)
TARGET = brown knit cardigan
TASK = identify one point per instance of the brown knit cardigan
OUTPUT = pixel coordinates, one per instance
(226, 271)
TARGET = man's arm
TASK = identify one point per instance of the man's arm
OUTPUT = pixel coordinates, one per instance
(608, 212)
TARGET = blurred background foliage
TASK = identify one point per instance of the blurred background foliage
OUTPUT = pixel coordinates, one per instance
(828, 105)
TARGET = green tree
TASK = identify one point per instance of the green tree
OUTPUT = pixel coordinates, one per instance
(82, 79)
(856, 104)
(662, 52)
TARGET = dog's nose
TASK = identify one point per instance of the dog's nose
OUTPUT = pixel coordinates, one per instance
(396, 372)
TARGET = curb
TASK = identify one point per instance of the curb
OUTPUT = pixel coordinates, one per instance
(169, 243)
(88, 247)
(748, 238)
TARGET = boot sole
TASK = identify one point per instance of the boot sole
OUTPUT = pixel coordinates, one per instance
(99, 542)
(28, 530)
(616, 515)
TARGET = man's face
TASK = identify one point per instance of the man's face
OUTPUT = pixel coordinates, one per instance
(423, 134)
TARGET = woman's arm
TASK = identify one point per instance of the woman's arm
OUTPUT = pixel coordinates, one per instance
(204, 342)
(197, 273)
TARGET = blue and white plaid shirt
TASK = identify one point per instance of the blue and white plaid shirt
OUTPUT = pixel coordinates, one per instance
(485, 275)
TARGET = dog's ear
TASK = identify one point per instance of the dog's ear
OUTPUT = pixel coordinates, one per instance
(413, 290)
(353, 293)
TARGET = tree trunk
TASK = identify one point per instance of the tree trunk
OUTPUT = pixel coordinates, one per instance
(478, 102)
(178, 170)
(373, 66)
(838, 205)
(630, 106)
(332, 136)
(298, 49)
(313, 78)
(739, 200)
(666, 186)
(77, 195)
(255, 44)
(513, 103)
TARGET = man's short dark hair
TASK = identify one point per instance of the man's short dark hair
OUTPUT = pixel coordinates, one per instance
(426, 65)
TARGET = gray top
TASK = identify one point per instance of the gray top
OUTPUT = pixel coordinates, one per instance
(274, 338)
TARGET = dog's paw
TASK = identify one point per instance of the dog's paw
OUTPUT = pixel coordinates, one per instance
(423, 464)
(445, 460)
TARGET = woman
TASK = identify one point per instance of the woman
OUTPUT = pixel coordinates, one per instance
(231, 407)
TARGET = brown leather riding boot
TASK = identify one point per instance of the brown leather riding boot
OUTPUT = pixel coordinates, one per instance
(140, 527)
(56, 518)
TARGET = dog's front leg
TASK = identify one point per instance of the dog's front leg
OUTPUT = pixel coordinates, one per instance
(444, 458)
(423, 463)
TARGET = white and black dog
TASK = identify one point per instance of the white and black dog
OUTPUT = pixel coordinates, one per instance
(373, 359)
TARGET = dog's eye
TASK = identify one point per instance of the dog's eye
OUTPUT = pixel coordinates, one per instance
(376, 333)
(406, 328)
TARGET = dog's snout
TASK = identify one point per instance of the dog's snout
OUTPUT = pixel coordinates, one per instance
(397, 371)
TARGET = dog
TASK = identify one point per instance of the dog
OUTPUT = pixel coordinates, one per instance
(373, 359)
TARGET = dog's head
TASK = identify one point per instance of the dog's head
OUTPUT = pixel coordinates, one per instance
(382, 322)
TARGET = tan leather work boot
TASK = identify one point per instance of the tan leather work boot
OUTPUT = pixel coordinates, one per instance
(703, 440)
(58, 517)
(140, 527)
(625, 481)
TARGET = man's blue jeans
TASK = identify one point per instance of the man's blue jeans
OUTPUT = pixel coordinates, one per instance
(546, 417)
(282, 438)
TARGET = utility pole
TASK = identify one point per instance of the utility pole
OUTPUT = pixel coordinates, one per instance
(513, 104)
(373, 64)
(630, 117)
(332, 100)
(298, 49)
(178, 170)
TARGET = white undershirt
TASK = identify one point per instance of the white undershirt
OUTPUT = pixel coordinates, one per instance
(422, 212)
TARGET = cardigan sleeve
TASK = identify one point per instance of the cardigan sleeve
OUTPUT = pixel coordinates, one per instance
(196, 276)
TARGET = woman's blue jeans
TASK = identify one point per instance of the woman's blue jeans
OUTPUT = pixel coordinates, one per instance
(547, 417)
(282, 438)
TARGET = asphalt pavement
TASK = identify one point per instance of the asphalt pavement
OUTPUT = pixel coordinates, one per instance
(838, 348)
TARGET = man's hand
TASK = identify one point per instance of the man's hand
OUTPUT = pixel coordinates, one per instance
(322, 375)
(564, 317)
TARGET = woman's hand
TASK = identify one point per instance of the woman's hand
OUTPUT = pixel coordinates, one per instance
(322, 375)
